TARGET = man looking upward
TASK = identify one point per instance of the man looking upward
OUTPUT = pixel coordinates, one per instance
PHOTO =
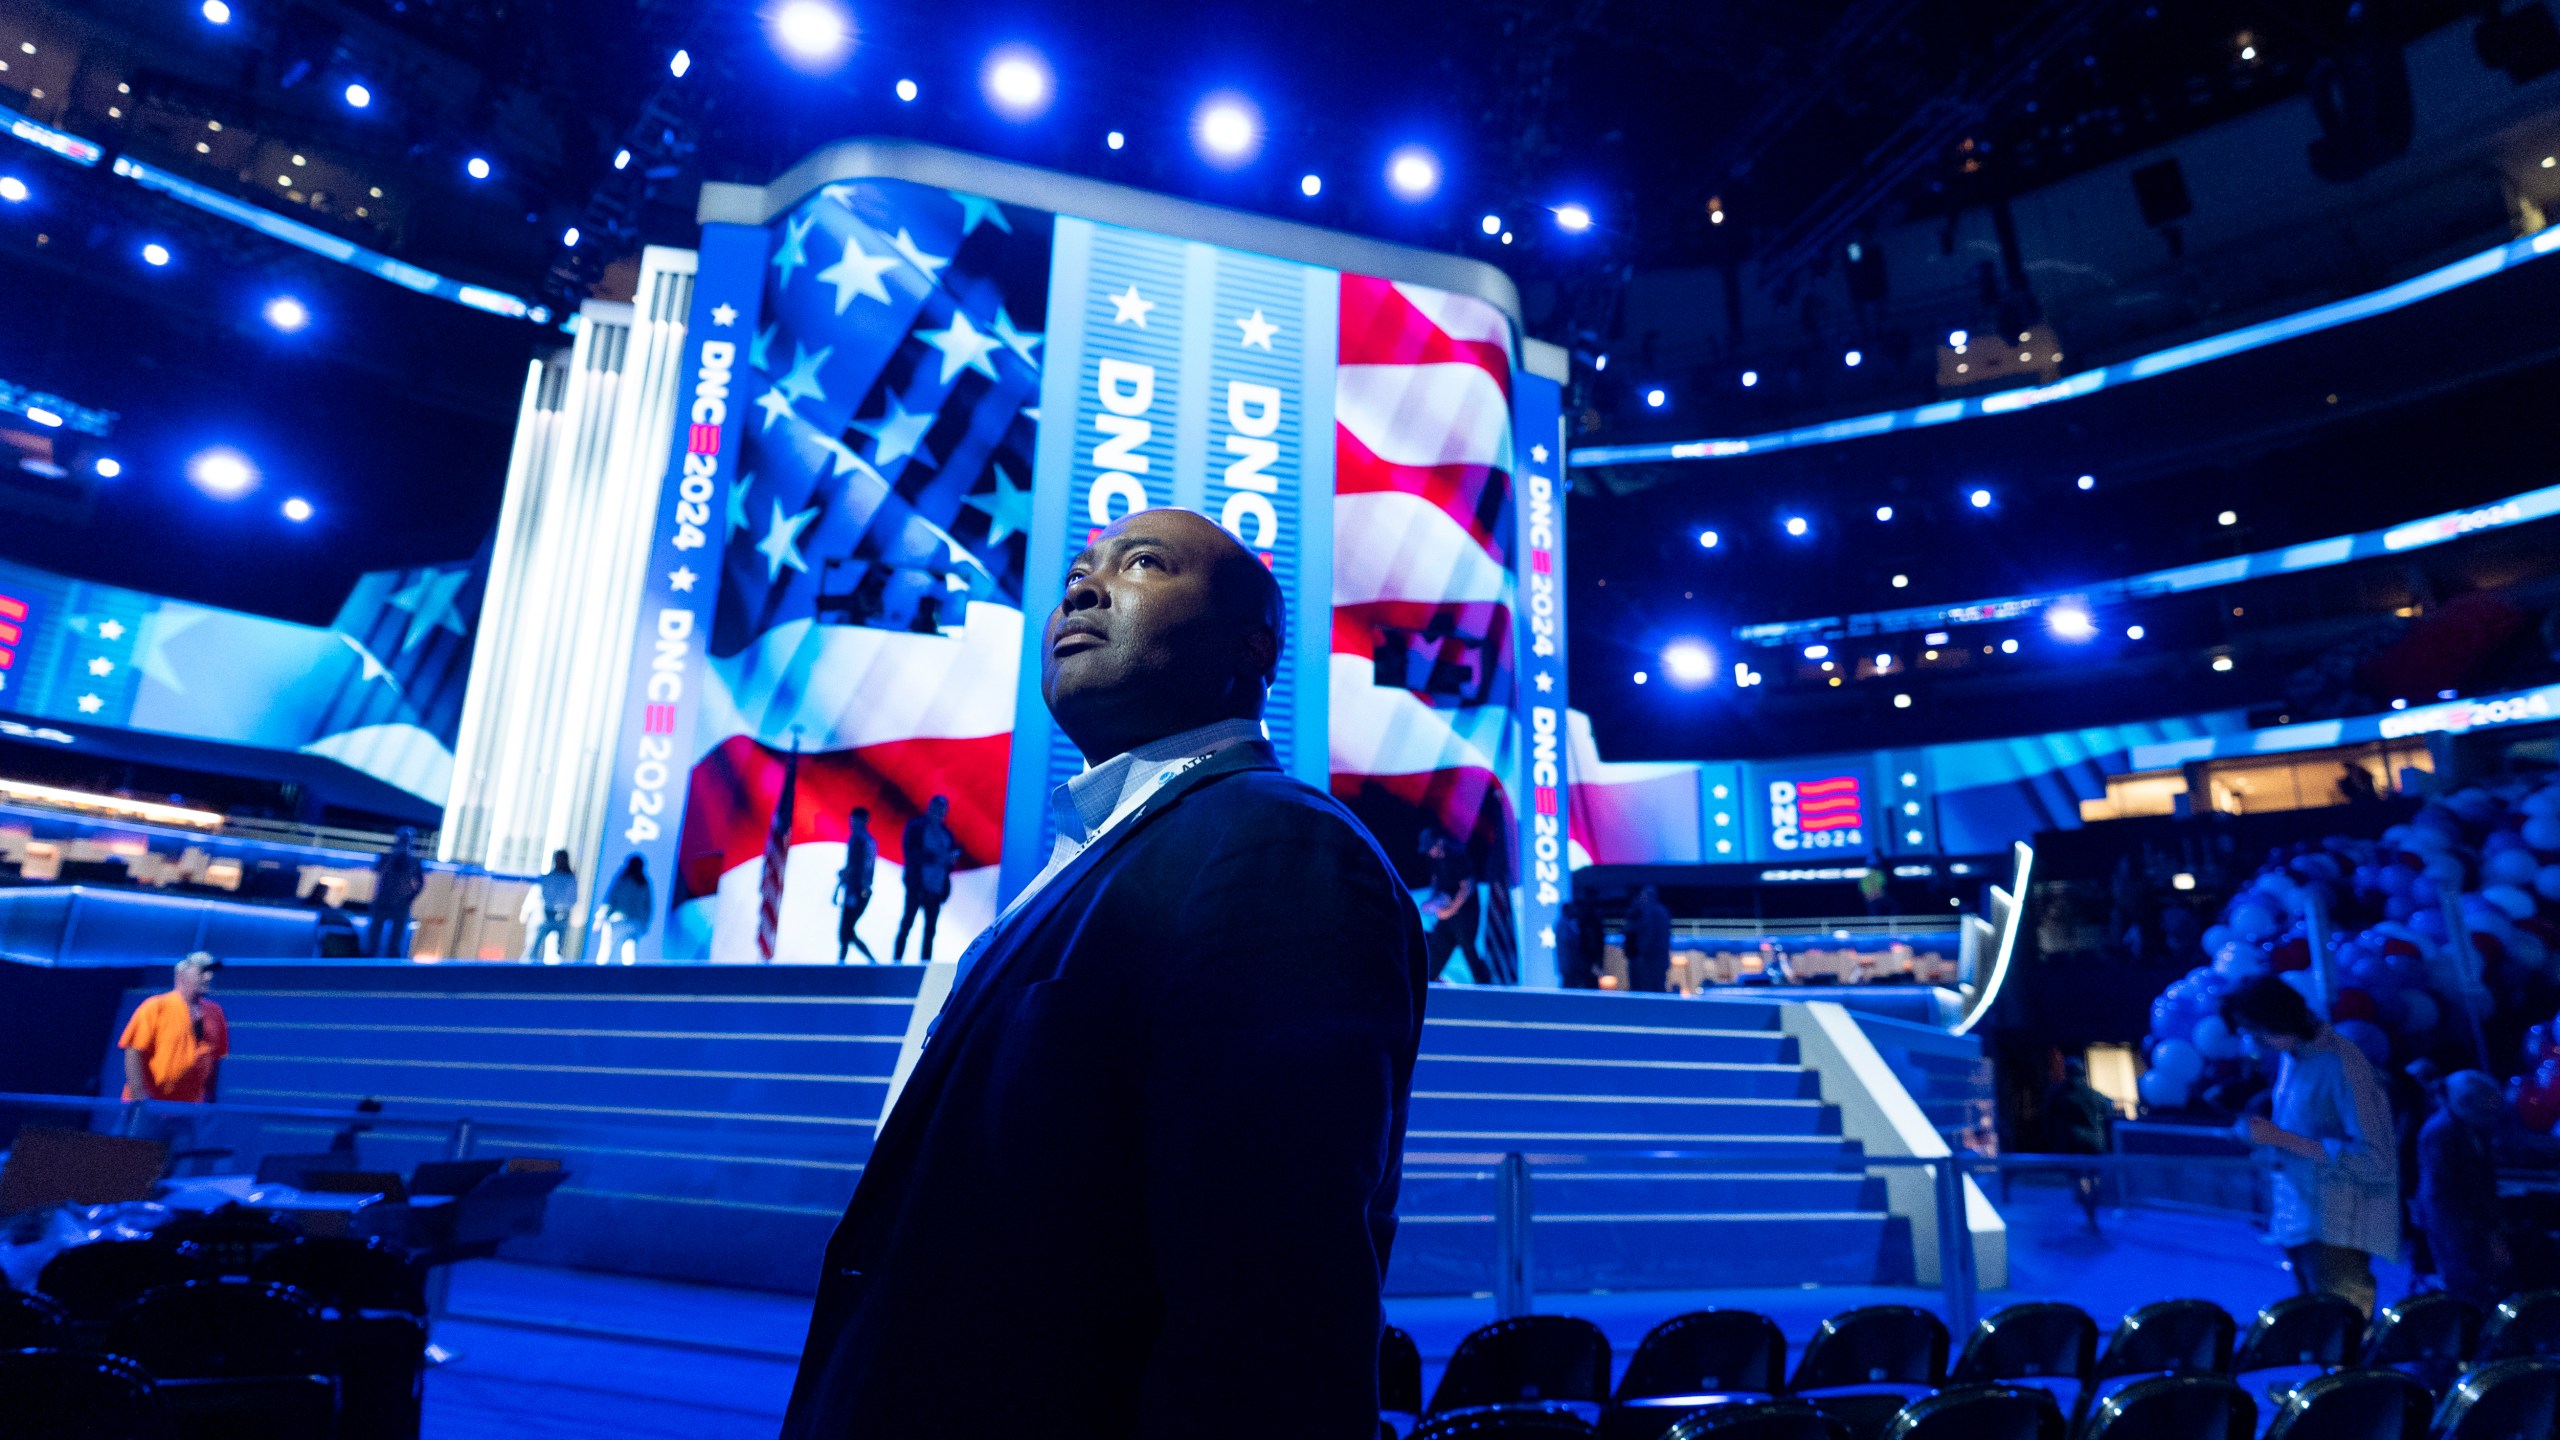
(1143, 1179)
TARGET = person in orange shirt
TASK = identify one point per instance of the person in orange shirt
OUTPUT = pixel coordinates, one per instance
(173, 1046)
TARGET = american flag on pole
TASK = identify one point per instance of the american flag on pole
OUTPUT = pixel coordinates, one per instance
(777, 856)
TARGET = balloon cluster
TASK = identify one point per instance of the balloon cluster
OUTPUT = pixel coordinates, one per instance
(2400, 980)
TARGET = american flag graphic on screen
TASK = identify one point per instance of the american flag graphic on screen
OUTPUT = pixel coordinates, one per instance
(870, 591)
(1423, 529)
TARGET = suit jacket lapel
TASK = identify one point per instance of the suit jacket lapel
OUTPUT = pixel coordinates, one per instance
(1251, 755)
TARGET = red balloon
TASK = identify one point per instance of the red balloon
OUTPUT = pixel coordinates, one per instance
(2493, 951)
(2354, 1004)
(2294, 954)
(2398, 945)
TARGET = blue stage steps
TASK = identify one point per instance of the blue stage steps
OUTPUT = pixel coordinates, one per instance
(715, 1120)
(1589, 1086)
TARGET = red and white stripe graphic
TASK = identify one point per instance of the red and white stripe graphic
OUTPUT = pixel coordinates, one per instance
(1422, 476)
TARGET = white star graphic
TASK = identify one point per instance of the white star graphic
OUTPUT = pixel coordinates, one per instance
(976, 210)
(1017, 341)
(897, 434)
(102, 667)
(757, 347)
(1129, 308)
(681, 579)
(724, 314)
(90, 704)
(839, 192)
(1257, 331)
(738, 503)
(1546, 682)
(781, 543)
(111, 630)
(429, 599)
(1547, 936)
(1538, 453)
(858, 273)
(930, 265)
(775, 405)
(964, 347)
(802, 382)
(374, 669)
(794, 251)
(1008, 511)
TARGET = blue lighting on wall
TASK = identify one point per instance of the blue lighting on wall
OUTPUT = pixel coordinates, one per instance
(292, 232)
(2399, 539)
(2089, 382)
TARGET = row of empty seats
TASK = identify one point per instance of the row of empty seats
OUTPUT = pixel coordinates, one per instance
(2309, 1364)
(219, 1326)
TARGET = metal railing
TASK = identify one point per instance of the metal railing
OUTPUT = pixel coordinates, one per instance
(1836, 927)
(1514, 1289)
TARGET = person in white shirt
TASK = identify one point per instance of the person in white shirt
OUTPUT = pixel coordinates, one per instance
(547, 907)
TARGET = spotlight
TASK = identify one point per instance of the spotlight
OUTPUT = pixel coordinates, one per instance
(1750, 378)
(13, 189)
(2088, 482)
(1227, 129)
(216, 12)
(1817, 652)
(1901, 702)
(621, 159)
(1853, 359)
(1884, 662)
(155, 254)
(1796, 525)
(1311, 185)
(2133, 632)
(1688, 663)
(1708, 539)
(297, 510)
(44, 417)
(1934, 637)
(1114, 140)
(1017, 82)
(108, 467)
(222, 472)
(907, 90)
(812, 35)
(679, 62)
(1979, 499)
(2221, 662)
(1901, 582)
(2227, 517)
(1641, 677)
(358, 97)
(1600, 362)
(1884, 512)
(477, 167)
(2009, 647)
(1413, 173)
(1492, 224)
(1572, 219)
(1655, 398)
(1506, 237)
(286, 313)
(1956, 339)
(569, 237)
(2071, 622)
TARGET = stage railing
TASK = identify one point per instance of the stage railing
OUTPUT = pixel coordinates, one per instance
(1837, 927)
(1514, 1179)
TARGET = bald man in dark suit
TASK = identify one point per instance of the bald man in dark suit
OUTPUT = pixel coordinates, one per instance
(1142, 1182)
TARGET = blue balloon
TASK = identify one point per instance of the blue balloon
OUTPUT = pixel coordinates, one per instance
(2420, 1013)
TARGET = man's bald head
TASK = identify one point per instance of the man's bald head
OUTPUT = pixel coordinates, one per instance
(1168, 623)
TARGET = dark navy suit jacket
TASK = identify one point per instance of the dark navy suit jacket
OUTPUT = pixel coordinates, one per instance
(1142, 1182)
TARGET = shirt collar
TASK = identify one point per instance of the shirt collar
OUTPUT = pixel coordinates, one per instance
(1085, 805)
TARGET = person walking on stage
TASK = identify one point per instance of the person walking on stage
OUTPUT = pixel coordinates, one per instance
(1648, 943)
(1143, 1179)
(2079, 1120)
(2336, 1171)
(397, 879)
(623, 913)
(1453, 907)
(548, 906)
(173, 1049)
(853, 885)
(931, 852)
